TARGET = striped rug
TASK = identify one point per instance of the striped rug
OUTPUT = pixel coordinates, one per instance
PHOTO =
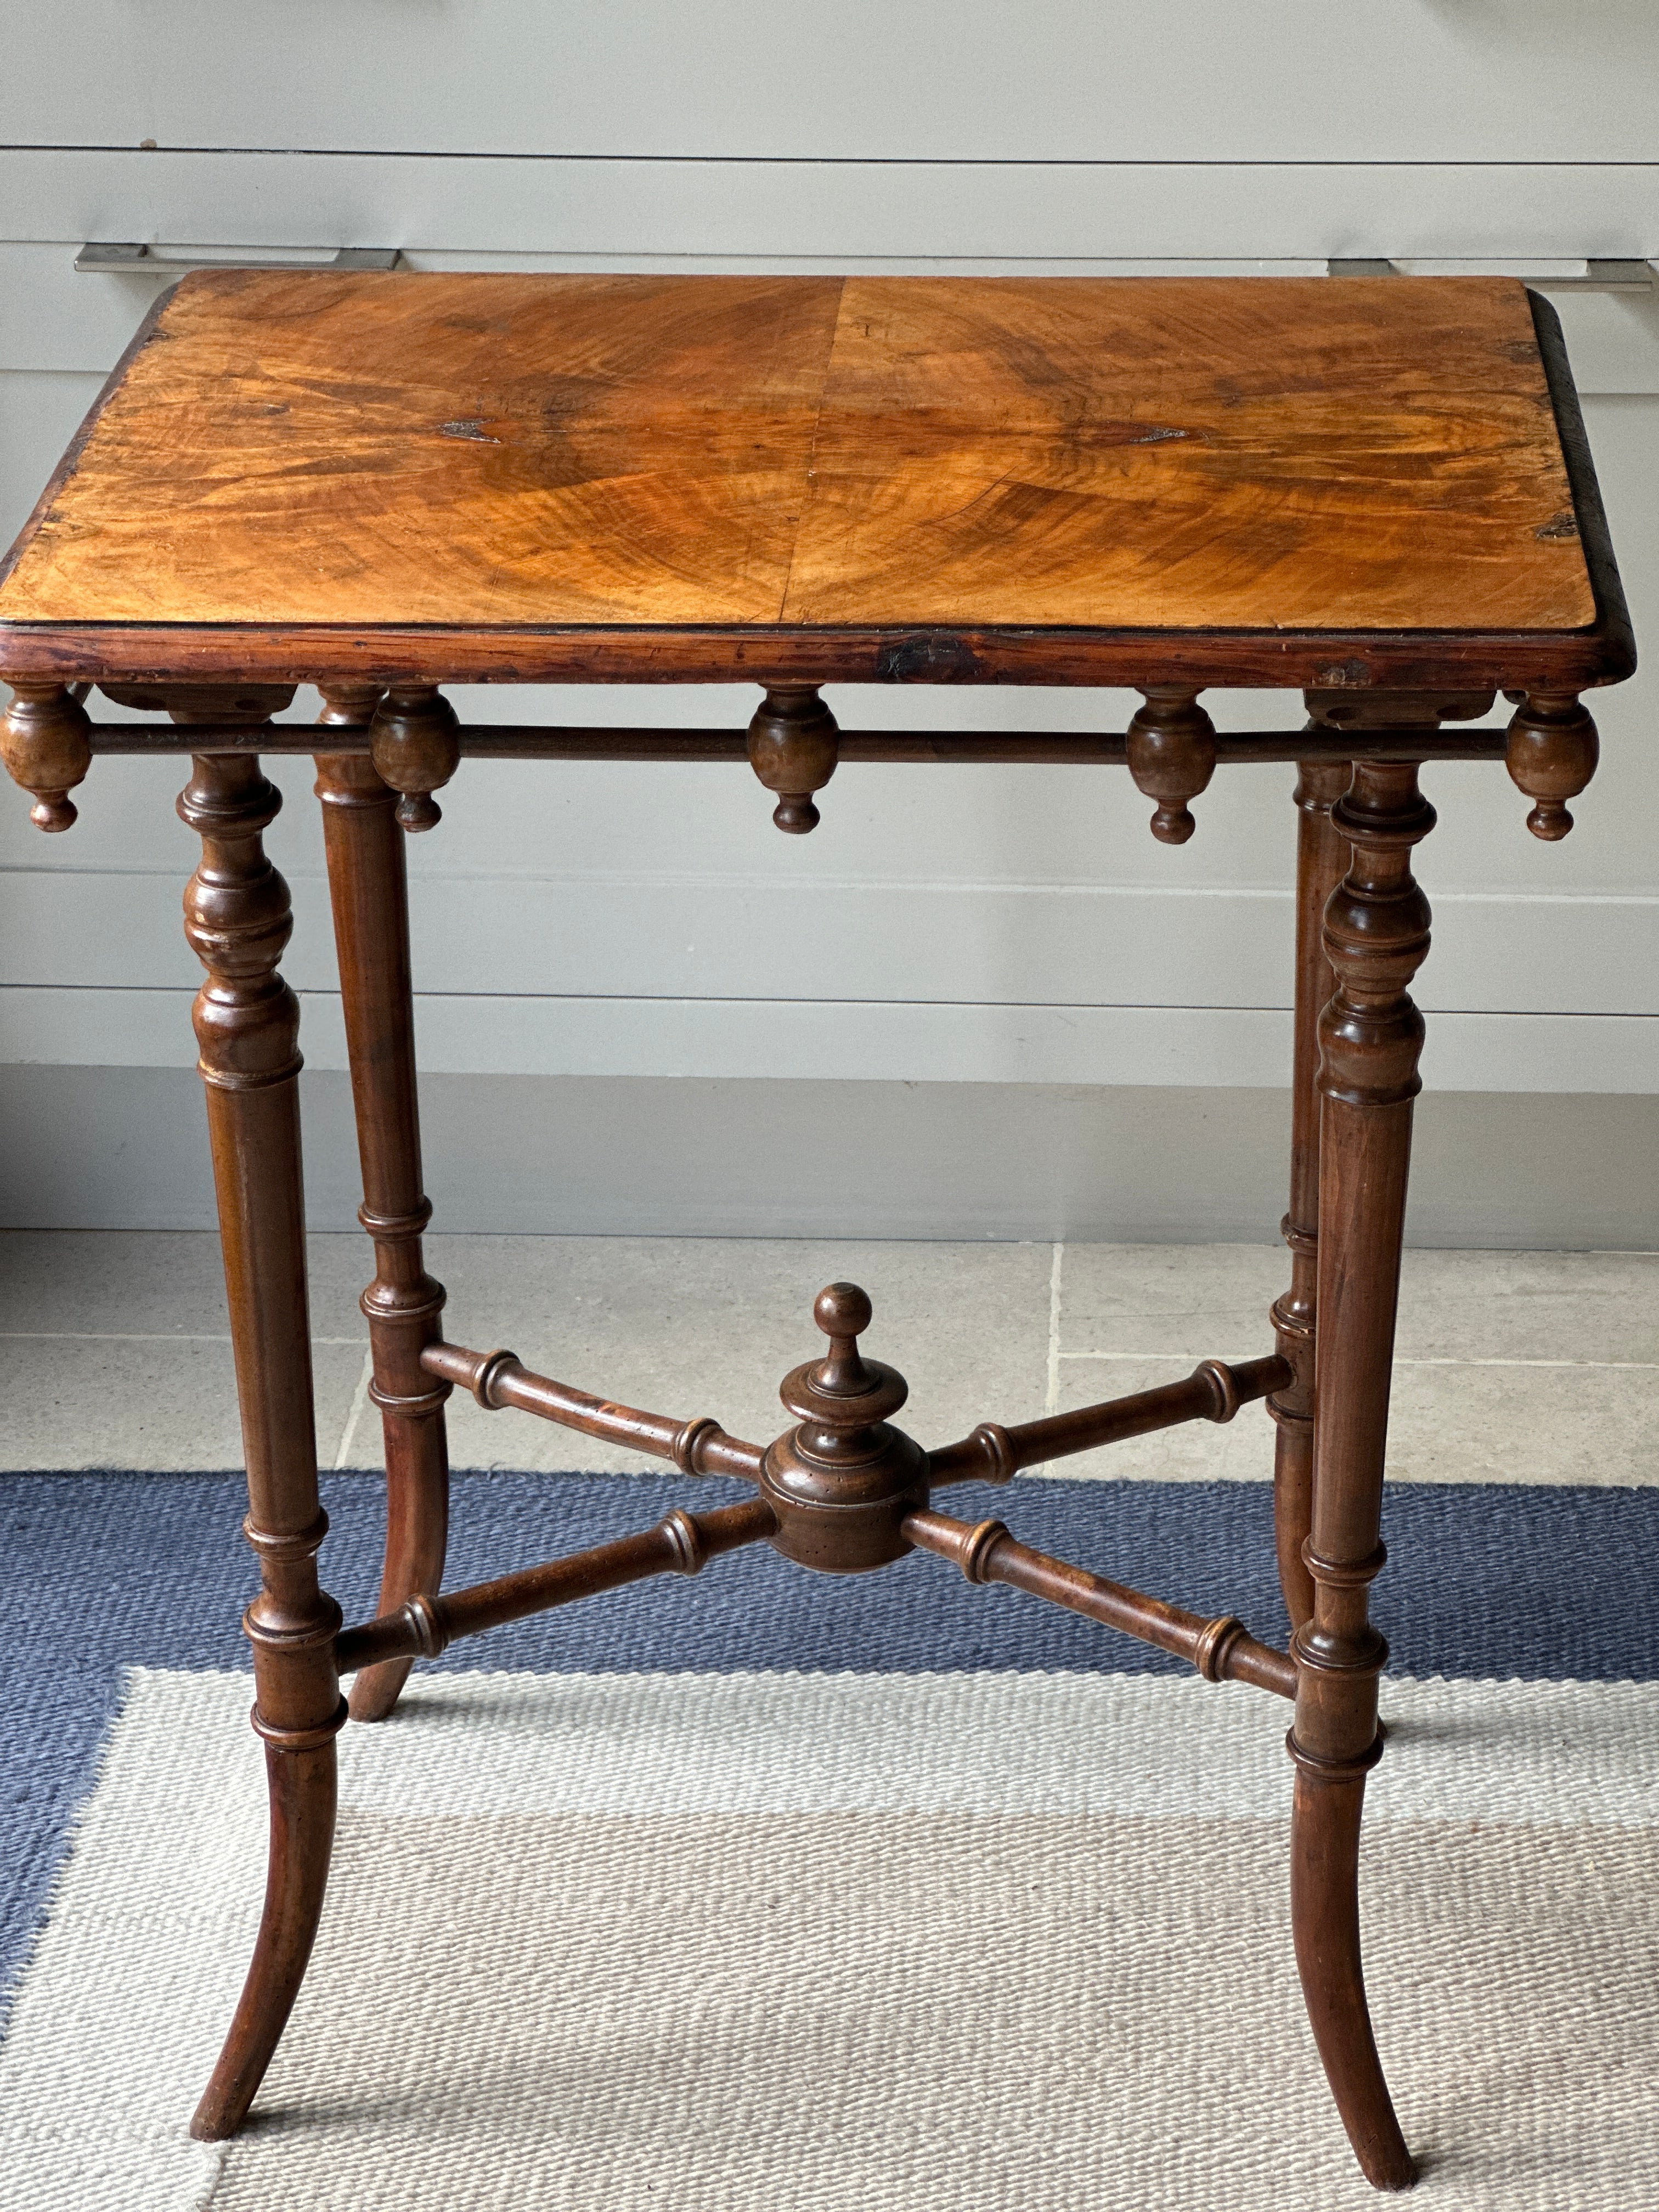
(765, 1890)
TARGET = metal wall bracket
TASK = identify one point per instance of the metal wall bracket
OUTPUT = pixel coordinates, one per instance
(106, 259)
(1599, 275)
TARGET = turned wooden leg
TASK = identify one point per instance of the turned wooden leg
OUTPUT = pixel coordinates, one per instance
(1376, 932)
(1321, 856)
(247, 1022)
(368, 883)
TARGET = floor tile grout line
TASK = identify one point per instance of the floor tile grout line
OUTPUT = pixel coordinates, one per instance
(135, 1336)
(1055, 1354)
(359, 1400)
(1620, 1366)
(1643, 1366)
(1051, 1402)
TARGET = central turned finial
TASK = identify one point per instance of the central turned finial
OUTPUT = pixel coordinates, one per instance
(843, 1312)
(842, 1481)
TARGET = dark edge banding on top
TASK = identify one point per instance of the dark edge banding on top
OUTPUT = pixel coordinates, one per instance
(71, 461)
(764, 652)
(1613, 621)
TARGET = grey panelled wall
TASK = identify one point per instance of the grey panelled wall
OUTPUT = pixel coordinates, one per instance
(1043, 1015)
(1094, 80)
(618, 1155)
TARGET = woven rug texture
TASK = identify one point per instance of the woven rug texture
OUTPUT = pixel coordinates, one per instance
(762, 1890)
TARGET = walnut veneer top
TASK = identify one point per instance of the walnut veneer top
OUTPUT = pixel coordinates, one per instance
(1066, 479)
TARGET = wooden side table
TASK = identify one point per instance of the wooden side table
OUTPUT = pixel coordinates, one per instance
(1378, 492)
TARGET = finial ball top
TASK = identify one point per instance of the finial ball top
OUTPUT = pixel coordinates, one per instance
(841, 1309)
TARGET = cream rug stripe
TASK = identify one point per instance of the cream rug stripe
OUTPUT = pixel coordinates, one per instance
(1149, 1744)
(897, 2012)
(861, 1941)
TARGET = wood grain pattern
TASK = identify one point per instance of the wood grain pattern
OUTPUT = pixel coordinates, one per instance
(1189, 453)
(543, 477)
(460, 450)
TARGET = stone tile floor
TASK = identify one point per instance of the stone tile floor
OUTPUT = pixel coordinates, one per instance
(1512, 1366)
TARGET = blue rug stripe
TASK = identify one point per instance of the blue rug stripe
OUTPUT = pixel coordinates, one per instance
(105, 1571)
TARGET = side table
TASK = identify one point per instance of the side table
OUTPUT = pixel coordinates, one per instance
(1375, 491)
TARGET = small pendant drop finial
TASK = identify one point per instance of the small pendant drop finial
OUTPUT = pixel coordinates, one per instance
(793, 746)
(415, 743)
(1172, 755)
(1551, 754)
(45, 742)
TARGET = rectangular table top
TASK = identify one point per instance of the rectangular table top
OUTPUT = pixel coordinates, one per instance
(1246, 480)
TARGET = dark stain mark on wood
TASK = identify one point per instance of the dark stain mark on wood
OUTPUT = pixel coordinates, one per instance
(936, 657)
(1345, 675)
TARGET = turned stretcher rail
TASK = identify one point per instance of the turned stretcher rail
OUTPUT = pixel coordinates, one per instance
(681, 1543)
(1221, 1649)
(495, 1379)
(1213, 1391)
(1005, 748)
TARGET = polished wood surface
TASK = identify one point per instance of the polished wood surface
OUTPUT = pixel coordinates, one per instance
(45, 743)
(1188, 454)
(404, 1305)
(423, 476)
(681, 1543)
(1222, 1649)
(500, 1379)
(1321, 860)
(1213, 1392)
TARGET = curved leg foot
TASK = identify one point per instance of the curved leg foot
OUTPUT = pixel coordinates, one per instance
(302, 1797)
(377, 1689)
(1325, 1917)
